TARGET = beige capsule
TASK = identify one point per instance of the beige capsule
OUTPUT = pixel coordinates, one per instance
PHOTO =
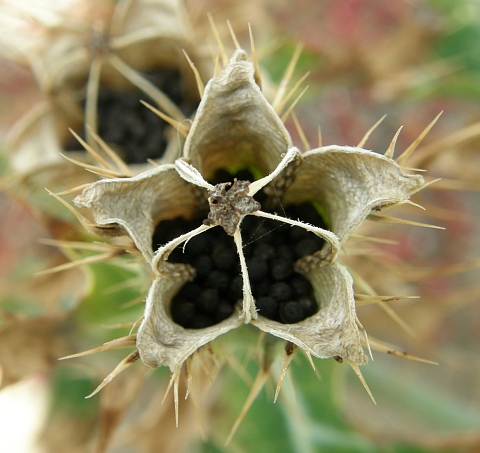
(236, 126)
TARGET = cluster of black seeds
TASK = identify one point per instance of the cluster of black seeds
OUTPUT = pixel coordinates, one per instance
(270, 248)
(138, 133)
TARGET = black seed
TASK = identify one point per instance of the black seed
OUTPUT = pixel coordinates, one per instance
(301, 285)
(278, 235)
(291, 312)
(309, 305)
(264, 251)
(280, 269)
(200, 321)
(204, 265)
(224, 311)
(218, 279)
(306, 247)
(182, 311)
(281, 291)
(267, 306)
(224, 258)
(209, 300)
(261, 288)
(189, 291)
(257, 269)
(284, 252)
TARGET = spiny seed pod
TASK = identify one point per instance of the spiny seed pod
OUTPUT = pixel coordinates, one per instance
(93, 69)
(196, 221)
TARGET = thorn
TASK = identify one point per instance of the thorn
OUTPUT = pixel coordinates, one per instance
(155, 94)
(217, 68)
(367, 342)
(119, 343)
(406, 355)
(91, 102)
(104, 172)
(179, 126)
(123, 365)
(381, 346)
(153, 162)
(457, 184)
(310, 360)
(394, 220)
(286, 78)
(257, 75)
(408, 152)
(391, 312)
(198, 79)
(121, 165)
(290, 348)
(425, 185)
(254, 391)
(249, 311)
(391, 148)
(367, 299)
(76, 213)
(451, 142)
(369, 132)
(90, 150)
(319, 135)
(294, 103)
(75, 264)
(301, 134)
(74, 189)
(169, 386)
(357, 371)
(189, 376)
(221, 48)
(95, 246)
(233, 36)
(292, 92)
(361, 282)
(358, 237)
(175, 395)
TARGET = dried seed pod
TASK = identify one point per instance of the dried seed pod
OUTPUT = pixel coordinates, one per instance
(236, 127)
(93, 69)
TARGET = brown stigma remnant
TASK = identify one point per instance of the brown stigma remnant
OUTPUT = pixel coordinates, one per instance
(228, 206)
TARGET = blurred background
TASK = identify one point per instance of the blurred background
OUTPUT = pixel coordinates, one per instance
(408, 59)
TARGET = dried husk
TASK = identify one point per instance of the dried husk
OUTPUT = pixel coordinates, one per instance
(162, 342)
(332, 331)
(235, 125)
(135, 205)
(349, 183)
